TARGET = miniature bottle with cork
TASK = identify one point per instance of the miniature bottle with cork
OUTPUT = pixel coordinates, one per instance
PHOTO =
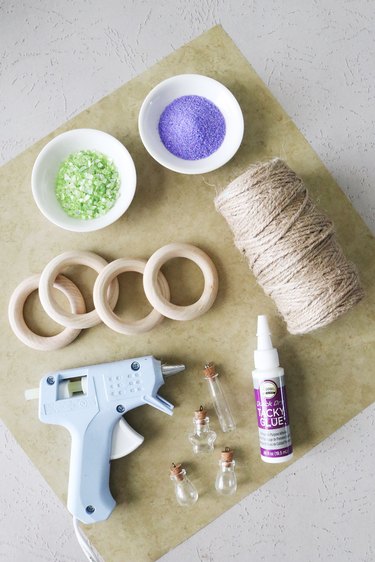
(270, 399)
(186, 493)
(226, 480)
(203, 438)
(219, 399)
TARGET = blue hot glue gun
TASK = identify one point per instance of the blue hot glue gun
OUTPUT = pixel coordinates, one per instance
(90, 402)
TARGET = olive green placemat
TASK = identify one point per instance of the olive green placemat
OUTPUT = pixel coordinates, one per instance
(329, 372)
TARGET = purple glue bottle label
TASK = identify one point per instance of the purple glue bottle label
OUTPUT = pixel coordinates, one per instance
(273, 418)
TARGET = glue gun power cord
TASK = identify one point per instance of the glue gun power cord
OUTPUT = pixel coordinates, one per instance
(84, 543)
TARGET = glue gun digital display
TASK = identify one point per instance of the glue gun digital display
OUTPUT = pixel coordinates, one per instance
(90, 402)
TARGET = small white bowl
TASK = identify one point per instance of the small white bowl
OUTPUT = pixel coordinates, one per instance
(186, 85)
(47, 164)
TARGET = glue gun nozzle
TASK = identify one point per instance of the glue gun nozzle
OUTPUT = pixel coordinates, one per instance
(169, 370)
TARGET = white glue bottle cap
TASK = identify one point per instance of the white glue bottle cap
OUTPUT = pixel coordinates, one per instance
(265, 356)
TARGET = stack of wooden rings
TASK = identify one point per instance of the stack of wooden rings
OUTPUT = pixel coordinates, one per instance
(105, 295)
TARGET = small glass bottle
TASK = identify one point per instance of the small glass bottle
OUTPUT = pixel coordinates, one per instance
(186, 492)
(203, 438)
(226, 480)
(219, 399)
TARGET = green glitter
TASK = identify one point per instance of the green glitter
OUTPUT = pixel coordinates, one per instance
(87, 185)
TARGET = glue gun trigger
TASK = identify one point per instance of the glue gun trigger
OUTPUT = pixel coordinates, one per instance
(125, 440)
(164, 401)
(160, 404)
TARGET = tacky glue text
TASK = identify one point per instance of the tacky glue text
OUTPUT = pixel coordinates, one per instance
(270, 399)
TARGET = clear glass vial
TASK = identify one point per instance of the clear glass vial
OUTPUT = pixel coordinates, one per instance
(226, 480)
(203, 438)
(219, 399)
(186, 492)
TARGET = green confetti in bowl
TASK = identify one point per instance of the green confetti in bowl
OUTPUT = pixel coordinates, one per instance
(83, 180)
(87, 185)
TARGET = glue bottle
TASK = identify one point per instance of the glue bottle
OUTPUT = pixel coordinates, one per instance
(270, 399)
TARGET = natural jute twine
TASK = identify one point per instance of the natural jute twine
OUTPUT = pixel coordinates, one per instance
(290, 245)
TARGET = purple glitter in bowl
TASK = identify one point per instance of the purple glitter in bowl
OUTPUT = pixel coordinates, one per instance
(192, 127)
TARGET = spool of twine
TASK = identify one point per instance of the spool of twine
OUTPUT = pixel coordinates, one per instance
(290, 245)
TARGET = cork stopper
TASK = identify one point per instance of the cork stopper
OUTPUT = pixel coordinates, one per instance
(227, 455)
(176, 470)
(200, 414)
(209, 370)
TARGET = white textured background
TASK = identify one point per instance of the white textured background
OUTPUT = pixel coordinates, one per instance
(318, 58)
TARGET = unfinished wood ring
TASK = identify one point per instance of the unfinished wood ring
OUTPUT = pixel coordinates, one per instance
(48, 276)
(17, 320)
(110, 318)
(159, 302)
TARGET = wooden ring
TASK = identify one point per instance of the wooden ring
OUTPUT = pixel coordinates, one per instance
(48, 276)
(17, 320)
(105, 277)
(159, 302)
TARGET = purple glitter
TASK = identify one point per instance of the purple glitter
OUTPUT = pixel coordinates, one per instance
(192, 127)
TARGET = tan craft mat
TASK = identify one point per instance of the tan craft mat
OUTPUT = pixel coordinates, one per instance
(329, 373)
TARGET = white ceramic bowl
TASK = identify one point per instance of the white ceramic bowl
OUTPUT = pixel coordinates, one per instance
(47, 164)
(184, 85)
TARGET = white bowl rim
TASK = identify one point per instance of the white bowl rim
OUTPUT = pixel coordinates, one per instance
(121, 205)
(207, 164)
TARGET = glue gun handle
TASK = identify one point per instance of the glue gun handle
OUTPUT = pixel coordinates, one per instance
(89, 497)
